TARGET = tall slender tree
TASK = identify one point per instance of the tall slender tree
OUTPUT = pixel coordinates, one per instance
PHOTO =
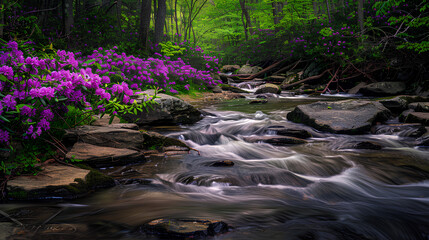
(160, 20)
(146, 10)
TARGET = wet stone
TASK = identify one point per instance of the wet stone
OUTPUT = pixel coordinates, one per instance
(402, 130)
(367, 145)
(224, 163)
(283, 131)
(185, 228)
(275, 140)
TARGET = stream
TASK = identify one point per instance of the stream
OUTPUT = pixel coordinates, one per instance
(323, 189)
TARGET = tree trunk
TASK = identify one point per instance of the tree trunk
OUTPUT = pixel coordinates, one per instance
(1, 20)
(68, 21)
(146, 10)
(360, 15)
(160, 20)
(175, 19)
(328, 10)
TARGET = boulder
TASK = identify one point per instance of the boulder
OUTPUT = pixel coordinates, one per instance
(404, 115)
(229, 68)
(217, 89)
(419, 106)
(418, 117)
(185, 228)
(283, 131)
(57, 181)
(169, 111)
(96, 156)
(105, 136)
(224, 163)
(233, 89)
(275, 140)
(268, 88)
(347, 116)
(402, 130)
(104, 120)
(159, 141)
(355, 89)
(247, 69)
(395, 105)
(380, 89)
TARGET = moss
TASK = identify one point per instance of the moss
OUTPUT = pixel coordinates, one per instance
(156, 141)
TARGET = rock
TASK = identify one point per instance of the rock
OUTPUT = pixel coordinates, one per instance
(276, 79)
(224, 163)
(6, 229)
(104, 121)
(396, 105)
(402, 130)
(96, 156)
(290, 79)
(247, 69)
(355, 89)
(258, 101)
(268, 88)
(105, 136)
(418, 117)
(233, 89)
(423, 141)
(185, 228)
(275, 140)
(283, 131)
(217, 89)
(250, 85)
(169, 111)
(367, 145)
(419, 106)
(158, 141)
(229, 68)
(346, 117)
(404, 115)
(380, 89)
(57, 181)
(267, 95)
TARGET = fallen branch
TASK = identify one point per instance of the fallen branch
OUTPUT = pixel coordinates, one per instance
(305, 80)
(288, 66)
(264, 70)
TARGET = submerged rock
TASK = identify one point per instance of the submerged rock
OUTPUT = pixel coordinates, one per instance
(57, 181)
(185, 228)
(224, 163)
(169, 110)
(367, 145)
(268, 88)
(275, 140)
(97, 156)
(417, 117)
(383, 89)
(347, 116)
(402, 130)
(283, 131)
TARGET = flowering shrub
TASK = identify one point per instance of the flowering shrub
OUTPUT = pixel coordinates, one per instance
(160, 71)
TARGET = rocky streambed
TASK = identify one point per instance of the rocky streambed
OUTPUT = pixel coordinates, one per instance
(289, 167)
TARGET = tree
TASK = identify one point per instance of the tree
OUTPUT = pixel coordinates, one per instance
(68, 19)
(160, 20)
(145, 13)
(245, 18)
(1, 18)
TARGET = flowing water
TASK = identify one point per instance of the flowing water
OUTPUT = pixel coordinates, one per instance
(323, 189)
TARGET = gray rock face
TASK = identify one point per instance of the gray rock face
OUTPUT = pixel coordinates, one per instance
(275, 140)
(383, 89)
(396, 105)
(169, 111)
(355, 89)
(418, 117)
(347, 117)
(105, 136)
(283, 131)
(97, 156)
(229, 68)
(419, 106)
(185, 228)
(247, 69)
(402, 130)
(268, 88)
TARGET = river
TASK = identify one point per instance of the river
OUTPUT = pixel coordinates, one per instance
(323, 189)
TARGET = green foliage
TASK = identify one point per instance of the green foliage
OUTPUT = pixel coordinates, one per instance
(170, 49)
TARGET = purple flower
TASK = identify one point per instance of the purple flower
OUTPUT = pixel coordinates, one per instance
(4, 136)
(43, 124)
(47, 114)
(9, 102)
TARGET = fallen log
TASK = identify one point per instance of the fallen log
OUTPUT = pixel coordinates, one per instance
(288, 66)
(264, 70)
(305, 80)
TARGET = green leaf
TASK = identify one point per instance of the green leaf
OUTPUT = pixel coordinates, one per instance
(4, 119)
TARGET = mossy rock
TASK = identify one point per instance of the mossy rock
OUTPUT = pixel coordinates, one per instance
(157, 141)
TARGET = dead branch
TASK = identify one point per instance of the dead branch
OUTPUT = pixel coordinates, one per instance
(306, 79)
(288, 66)
(264, 70)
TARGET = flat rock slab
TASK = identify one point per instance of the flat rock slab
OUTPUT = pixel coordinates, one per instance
(283, 131)
(105, 136)
(169, 110)
(185, 228)
(418, 117)
(275, 140)
(419, 106)
(97, 156)
(57, 181)
(344, 117)
(268, 88)
(383, 89)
